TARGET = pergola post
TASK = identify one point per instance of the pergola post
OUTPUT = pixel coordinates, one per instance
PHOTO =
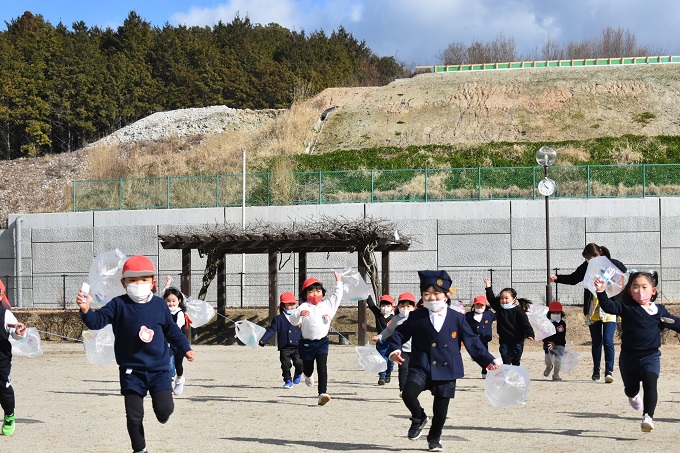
(302, 269)
(273, 286)
(385, 273)
(185, 281)
(361, 307)
(221, 292)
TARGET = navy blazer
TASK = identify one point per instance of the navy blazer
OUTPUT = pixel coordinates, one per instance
(288, 334)
(434, 354)
(483, 328)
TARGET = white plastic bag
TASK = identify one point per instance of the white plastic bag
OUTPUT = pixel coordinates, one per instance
(507, 386)
(542, 325)
(200, 312)
(600, 266)
(457, 305)
(105, 274)
(568, 360)
(249, 333)
(354, 286)
(30, 346)
(370, 359)
(99, 345)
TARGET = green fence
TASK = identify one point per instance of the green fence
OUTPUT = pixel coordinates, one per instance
(555, 63)
(374, 186)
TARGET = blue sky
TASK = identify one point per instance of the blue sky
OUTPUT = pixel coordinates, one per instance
(415, 31)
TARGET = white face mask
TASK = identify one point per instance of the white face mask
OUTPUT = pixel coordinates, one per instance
(479, 311)
(555, 317)
(435, 305)
(174, 309)
(385, 310)
(139, 292)
(508, 306)
(288, 312)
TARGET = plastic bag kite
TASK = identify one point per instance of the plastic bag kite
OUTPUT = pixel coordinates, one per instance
(457, 305)
(199, 311)
(106, 272)
(507, 386)
(568, 360)
(370, 359)
(600, 266)
(354, 286)
(543, 327)
(249, 333)
(99, 345)
(28, 347)
(3, 296)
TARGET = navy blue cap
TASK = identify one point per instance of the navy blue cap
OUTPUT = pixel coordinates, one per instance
(435, 278)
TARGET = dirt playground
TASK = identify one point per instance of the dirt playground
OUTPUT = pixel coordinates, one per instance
(234, 402)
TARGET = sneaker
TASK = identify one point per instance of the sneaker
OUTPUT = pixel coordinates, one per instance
(608, 378)
(296, 378)
(483, 374)
(434, 445)
(179, 386)
(144, 450)
(381, 381)
(388, 378)
(309, 380)
(596, 375)
(635, 403)
(8, 425)
(646, 426)
(556, 378)
(547, 370)
(417, 426)
(288, 384)
(324, 398)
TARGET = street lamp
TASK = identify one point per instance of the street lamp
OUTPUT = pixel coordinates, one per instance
(546, 157)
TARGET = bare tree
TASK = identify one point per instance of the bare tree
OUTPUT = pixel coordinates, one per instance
(501, 49)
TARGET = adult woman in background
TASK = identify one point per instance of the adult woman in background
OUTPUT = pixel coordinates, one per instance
(602, 325)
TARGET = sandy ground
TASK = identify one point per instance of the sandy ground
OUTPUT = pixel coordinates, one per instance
(234, 402)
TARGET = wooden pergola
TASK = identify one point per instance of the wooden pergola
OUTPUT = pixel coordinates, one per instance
(365, 236)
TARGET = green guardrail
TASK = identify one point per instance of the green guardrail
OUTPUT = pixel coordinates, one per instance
(375, 186)
(554, 63)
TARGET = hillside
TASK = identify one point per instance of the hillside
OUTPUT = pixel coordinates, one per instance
(531, 105)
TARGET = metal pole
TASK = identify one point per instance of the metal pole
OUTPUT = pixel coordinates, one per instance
(63, 289)
(243, 221)
(548, 286)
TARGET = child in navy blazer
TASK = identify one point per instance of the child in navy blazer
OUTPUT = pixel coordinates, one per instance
(481, 319)
(288, 340)
(436, 334)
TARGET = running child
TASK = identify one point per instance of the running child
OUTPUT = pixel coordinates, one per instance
(512, 323)
(554, 345)
(383, 315)
(314, 315)
(18, 331)
(481, 319)
(406, 303)
(288, 340)
(642, 322)
(436, 334)
(175, 300)
(142, 326)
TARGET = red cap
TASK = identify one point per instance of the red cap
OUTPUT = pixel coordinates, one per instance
(480, 300)
(309, 282)
(138, 266)
(555, 307)
(287, 298)
(387, 298)
(407, 297)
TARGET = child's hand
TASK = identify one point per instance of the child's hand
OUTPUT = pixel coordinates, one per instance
(375, 338)
(189, 355)
(600, 285)
(495, 364)
(304, 313)
(531, 338)
(20, 329)
(551, 344)
(397, 358)
(83, 301)
(168, 281)
(487, 282)
(338, 276)
(553, 278)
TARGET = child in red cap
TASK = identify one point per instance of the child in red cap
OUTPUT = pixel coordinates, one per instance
(288, 340)
(481, 319)
(314, 315)
(383, 315)
(554, 345)
(143, 326)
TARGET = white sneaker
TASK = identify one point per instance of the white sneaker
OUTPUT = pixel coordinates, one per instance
(179, 386)
(647, 424)
(635, 403)
(309, 380)
(325, 397)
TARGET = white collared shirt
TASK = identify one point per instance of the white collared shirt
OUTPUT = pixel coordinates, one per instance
(437, 319)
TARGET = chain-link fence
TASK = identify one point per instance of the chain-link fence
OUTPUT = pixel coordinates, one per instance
(374, 186)
(251, 289)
